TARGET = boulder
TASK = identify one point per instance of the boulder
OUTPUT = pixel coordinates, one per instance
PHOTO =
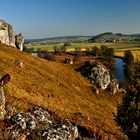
(43, 125)
(7, 36)
(97, 73)
(113, 86)
(6, 33)
(19, 40)
(100, 76)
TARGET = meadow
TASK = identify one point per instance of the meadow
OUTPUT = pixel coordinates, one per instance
(119, 48)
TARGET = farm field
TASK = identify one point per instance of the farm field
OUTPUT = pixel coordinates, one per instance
(119, 48)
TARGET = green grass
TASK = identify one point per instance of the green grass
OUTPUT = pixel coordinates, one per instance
(119, 48)
(116, 46)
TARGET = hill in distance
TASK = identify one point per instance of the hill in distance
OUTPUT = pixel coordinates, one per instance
(115, 37)
(60, 39)
(60, 89)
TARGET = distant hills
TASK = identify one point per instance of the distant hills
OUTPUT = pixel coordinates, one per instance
(101, 38)
(115, 37)
(60, 39)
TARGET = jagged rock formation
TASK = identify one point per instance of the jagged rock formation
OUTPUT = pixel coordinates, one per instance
(19, 40)
(113, 86)
(4, 80)
(99, 75)
(7, 36)
(6, 33)
(40, 124)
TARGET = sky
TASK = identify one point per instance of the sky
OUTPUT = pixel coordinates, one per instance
(51, 18)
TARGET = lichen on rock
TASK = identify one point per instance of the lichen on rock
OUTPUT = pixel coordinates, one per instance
(6, 33)
(7, 36)
(100, 76)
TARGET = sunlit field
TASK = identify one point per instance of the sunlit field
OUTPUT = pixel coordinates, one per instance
(119, 48)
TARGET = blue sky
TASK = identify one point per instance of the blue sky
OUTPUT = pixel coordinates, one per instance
(49, 18)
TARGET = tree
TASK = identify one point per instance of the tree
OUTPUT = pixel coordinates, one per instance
(109, 54)
(95, 51)
(56, 49)
(67, 44)
(103, 50)
(128, 115)
(87, 50)
(63, 49)
(128, 57)
(129, 63)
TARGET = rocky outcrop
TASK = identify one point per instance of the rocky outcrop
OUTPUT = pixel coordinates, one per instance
(42, 124)
(6, 33)
(100, 75)
(4, 80)
(7, 36)
(113, 86)
(39, 123)
(19, 40)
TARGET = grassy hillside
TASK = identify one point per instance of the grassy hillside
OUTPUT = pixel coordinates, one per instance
(60, 89)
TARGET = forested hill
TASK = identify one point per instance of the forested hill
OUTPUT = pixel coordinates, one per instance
(115, 37)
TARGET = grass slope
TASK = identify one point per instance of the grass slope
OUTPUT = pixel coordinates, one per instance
(59, 88)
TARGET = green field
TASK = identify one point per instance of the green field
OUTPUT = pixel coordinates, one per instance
(119, 48)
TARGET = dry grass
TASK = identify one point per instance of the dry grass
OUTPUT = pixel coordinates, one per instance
(136, 54)
(59, 88)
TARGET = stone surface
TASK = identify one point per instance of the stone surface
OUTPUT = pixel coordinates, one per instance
(113, 86)
(19, 40)
(43, 124)
(6, 33)
(100, 76)
(7, 36)
(4, 80)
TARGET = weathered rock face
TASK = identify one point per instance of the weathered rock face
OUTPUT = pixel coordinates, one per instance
(19, 40)
(39, 123)
(4, 80)
(99, 75)
(7, 36)
(113, 86)
(6, 33)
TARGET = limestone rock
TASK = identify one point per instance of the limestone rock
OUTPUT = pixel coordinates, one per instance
(18, 63)
(113, 86)
(97, 73)
(43, 124)
(19, 40)
(7, 36)
(4, 80)
(6, 33)
(100, 76)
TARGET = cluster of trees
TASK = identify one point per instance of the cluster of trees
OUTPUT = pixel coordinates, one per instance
(59, 50)
(129, 64)
(128, 116)
(103, 52)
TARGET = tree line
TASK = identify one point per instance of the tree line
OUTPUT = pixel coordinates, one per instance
(128, 115)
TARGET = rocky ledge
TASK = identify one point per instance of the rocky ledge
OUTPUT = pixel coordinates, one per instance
(42, 124)
(7, 36)
(99, 75)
